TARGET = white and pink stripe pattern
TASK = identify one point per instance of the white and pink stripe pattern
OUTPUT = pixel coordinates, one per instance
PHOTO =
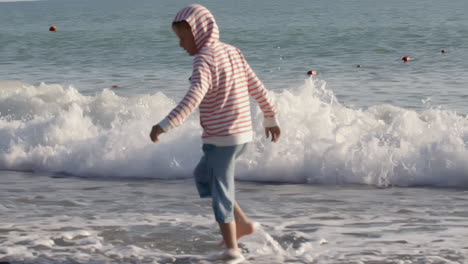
(221, 84)
(202, 22)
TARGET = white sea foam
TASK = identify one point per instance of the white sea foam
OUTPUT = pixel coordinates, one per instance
(54, 128)
(148, 221)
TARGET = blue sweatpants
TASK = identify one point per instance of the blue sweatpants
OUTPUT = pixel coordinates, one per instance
(214, 177)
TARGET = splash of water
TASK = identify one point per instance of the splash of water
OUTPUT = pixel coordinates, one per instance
(52, 128)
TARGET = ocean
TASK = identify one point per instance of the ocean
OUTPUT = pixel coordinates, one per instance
(371, 166)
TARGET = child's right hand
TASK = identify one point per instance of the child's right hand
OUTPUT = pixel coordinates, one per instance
(274, 131)
(155, 132)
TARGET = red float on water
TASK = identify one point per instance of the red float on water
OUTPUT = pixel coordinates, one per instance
(406, 58)
(443, 51)
(115, 86)
(359, 66)
(53, 28)
(312, 72)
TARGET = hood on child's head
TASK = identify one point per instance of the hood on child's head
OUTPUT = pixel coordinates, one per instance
(203, 24)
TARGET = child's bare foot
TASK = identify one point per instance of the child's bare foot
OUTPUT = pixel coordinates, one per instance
(243, 230)
(229, 256)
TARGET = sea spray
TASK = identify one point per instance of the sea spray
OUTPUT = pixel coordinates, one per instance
(57, 129)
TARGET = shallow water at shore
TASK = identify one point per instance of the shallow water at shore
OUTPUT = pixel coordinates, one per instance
(56, 219)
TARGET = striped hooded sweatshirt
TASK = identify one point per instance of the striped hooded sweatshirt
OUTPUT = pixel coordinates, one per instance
(221, 84)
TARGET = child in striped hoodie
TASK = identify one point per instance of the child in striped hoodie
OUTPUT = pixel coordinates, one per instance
(221, 84)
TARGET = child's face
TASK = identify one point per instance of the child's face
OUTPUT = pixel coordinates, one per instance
(187, 41)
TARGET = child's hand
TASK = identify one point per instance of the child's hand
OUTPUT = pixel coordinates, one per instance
(155, 132)
(274, 131)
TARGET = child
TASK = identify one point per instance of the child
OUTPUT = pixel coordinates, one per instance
(221, 84)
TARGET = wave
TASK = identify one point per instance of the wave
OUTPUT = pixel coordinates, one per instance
(52, 128)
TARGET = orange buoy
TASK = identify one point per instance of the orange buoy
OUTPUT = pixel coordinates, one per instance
(53, 28)
(443, 51)
(312, 72)
(406, 58)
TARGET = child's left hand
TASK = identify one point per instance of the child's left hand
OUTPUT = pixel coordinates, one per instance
(275, 133)
(155, 132)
